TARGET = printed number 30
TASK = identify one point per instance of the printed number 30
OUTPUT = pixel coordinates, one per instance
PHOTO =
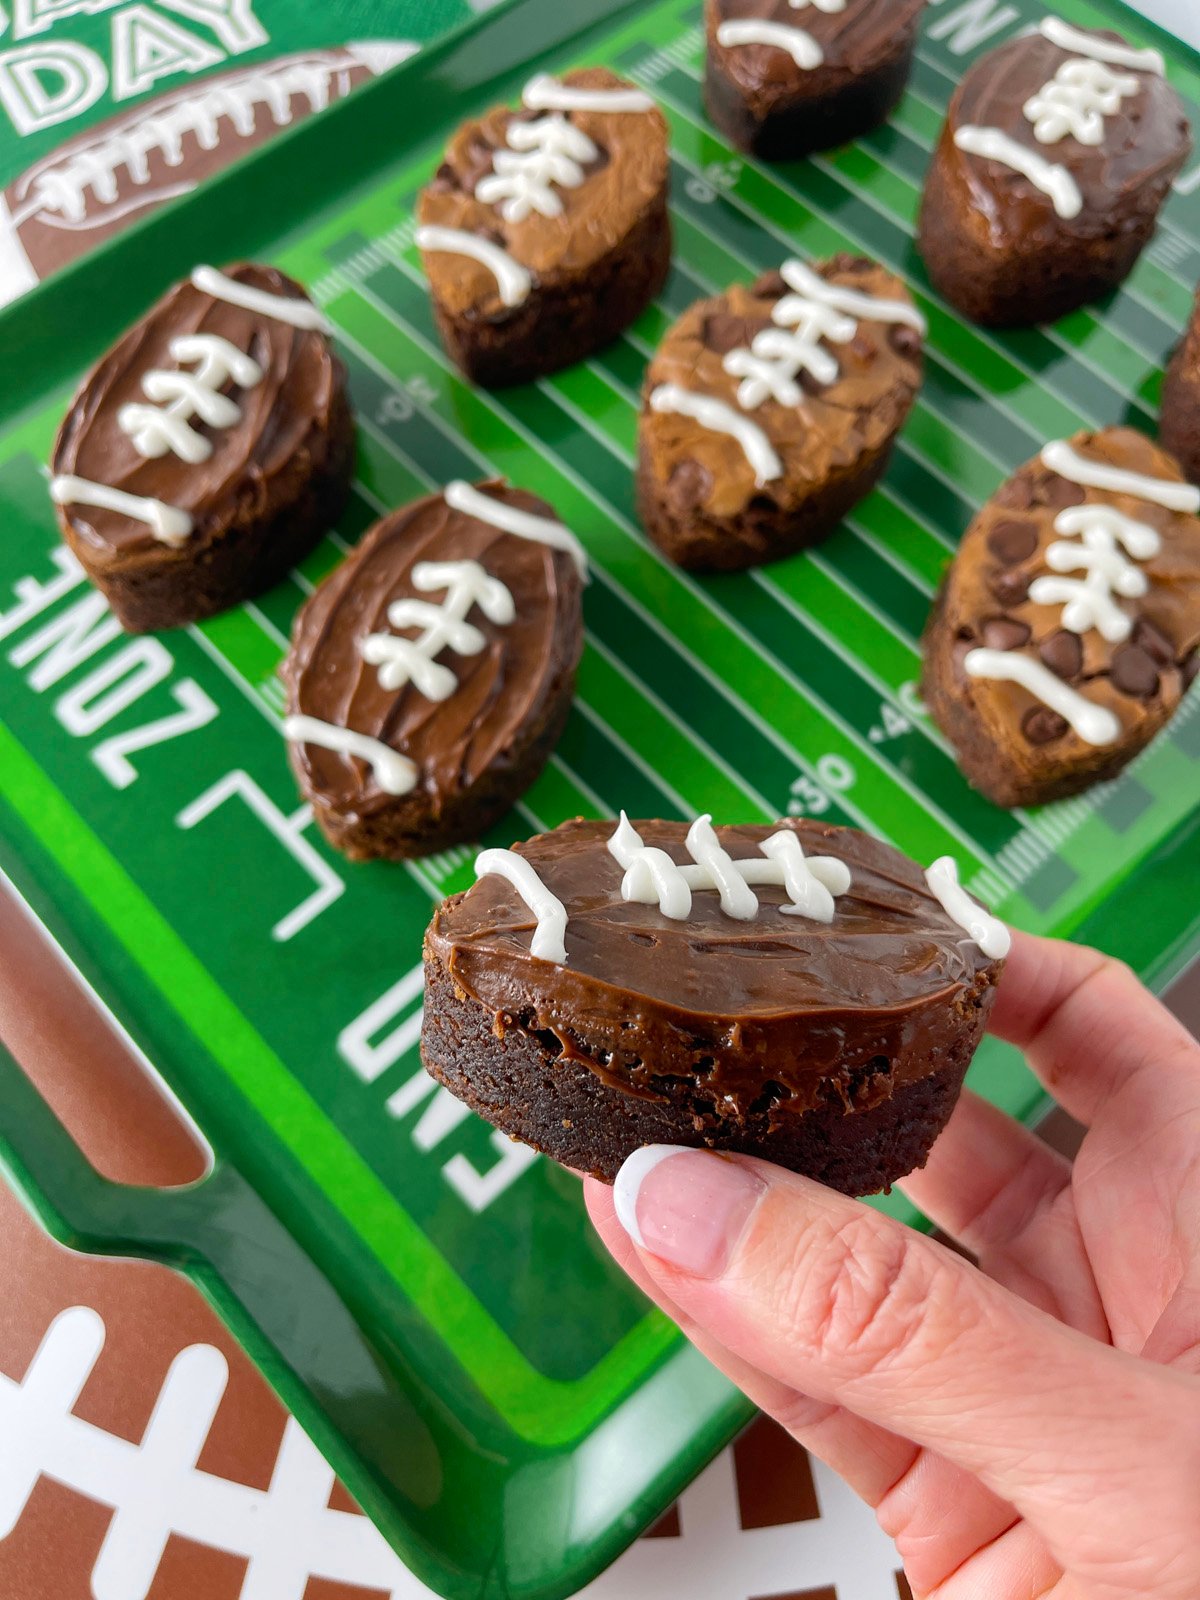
(808, 797)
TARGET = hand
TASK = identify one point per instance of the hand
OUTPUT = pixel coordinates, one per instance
(1028, 1428)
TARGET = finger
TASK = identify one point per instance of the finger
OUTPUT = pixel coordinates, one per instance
(846, 1305)
(937, 1514)
(1003, 1194)
(1085, 1023)
(1016, 1562)
(986, 1176)
(869, 1458)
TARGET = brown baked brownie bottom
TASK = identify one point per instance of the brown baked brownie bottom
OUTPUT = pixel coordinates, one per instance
(520, 1082)
(410, 826)
(1179, 417)
(825, 113)
(763, 531)
(554, 328)
(249, 556)
(1036, 281)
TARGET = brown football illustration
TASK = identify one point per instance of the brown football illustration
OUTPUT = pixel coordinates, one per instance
(92, 185)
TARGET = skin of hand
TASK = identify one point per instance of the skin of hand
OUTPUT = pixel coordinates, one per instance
(1028, 1429)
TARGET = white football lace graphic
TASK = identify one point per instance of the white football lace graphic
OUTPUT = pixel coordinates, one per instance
(164, 147)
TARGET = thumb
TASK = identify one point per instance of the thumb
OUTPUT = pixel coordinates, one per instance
(854, 1309)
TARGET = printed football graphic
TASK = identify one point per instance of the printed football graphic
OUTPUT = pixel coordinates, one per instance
(71, 200)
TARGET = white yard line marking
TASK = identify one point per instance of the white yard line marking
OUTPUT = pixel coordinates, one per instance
(267, 626)
(715, 758)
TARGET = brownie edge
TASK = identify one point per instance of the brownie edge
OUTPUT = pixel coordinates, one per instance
(519, 1080)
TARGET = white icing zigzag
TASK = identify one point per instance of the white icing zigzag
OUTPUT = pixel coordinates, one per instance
(393, 772)
(169, 524)
(988, 932)
(715, 415)
(801, 46)
(155, 429)
(549, 937)
(444, 627)
(540, 154)
(652, 876)
(1076, 102)
(1172, 493)
(816, 310)
(544, 93)
(461, 496)
(1049, 176)
(1090, 602)
(513, 281)
(1087, 44)
(297, 311)
(1094, 724)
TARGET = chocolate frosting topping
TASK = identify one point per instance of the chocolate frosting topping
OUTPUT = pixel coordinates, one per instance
(779, 1000)
(1145, 144)
(854, 42)
(619, 186)
(826, 435)
(501, 688)
(283, 417)
(986, 600)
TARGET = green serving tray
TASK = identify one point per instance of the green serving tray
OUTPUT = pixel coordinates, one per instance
(426, 1297)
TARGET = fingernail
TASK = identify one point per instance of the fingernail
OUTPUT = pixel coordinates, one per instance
(688, 1207)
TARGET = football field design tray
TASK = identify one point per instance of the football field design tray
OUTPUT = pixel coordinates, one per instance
(426, 1296)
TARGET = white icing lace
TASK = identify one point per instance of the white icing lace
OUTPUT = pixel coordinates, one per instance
(444, 627)
(156, 428)
(540, 155)
(1077, 100)
(651, 876)
(815, 310)
(1090, 602)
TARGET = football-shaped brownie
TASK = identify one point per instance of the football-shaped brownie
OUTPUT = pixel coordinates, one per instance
(784, 77)
(1057, 153)
(207, 451)
(91, 186)
(545, 232)
(1066, 630)
(430, 676)
(771, 409)
(799, 992)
